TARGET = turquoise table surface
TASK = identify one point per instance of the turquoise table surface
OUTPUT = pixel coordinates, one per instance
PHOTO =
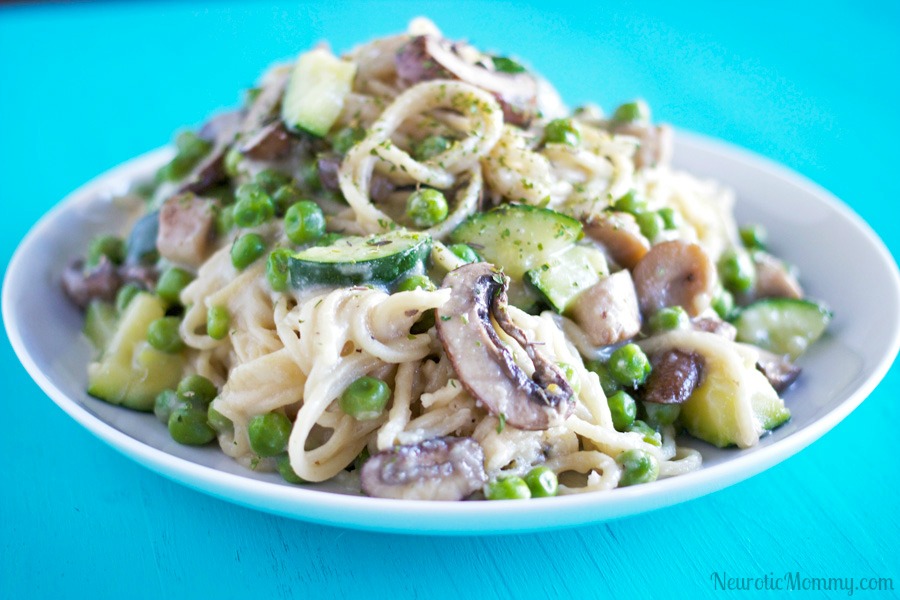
(813, 85)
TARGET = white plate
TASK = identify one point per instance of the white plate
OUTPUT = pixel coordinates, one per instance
(837, 253)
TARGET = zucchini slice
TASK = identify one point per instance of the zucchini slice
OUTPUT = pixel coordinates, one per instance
(315, 94)
(518, 237)
(378, 259)
(782, 325)
(568, 274)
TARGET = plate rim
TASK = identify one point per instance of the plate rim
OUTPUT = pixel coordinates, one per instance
(452, 518)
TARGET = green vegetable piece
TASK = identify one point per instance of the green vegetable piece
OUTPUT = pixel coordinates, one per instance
(246, 249)
(365, 398)
(669, 318)
(629, 112)
(659, 415)
(304, 222)
(188, 426)
(165, 403)
(504, 64)
(465, 253)
(287, 471)
(270, 180)
(269, 433)
(218, 421)
(651, 224)
(754, 237)
(562, 131)
(163, 335)
(110, 246)
(638, 466)
(629, 366)
(253, 207)
(197, 390)
(125, 295)
(671, 219)
(426, 207)
(651, 435)
(218, 319)
(431, 147)
(278, 269)
(170, 284)
(416, 282)
(511, 487)
(346, 138)
(542, 482)
(631, 202)
(623, 410)
(737, 271)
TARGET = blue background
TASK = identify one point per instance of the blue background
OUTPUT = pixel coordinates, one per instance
(84, 87)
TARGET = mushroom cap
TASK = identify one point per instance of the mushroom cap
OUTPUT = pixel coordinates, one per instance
(675, 273)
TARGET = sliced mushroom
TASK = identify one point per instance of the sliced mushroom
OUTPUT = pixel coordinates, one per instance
(427, 57)
(715, 325)
(608, 311)
(773, 280)
(185, 229)
(269, 143)
(620, 236)
(99, 283)
(780, 371)
(675, 376)
(484, 364)
(444, 468)
(675, 273)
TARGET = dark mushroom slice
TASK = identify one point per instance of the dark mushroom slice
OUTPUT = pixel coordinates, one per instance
(675, 273)
(483, 363)
(715, 325)
(186, 227)
(620, 236)
(426, 57)
(444, 468)
(780, 371)
(608, 311)
(99, 283)
(675, 376)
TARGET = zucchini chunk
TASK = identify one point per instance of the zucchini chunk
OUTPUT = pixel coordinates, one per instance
(568, 274)
(518, 237)
(315, 94)
(131, 372)
(782, 325)
(354, 260)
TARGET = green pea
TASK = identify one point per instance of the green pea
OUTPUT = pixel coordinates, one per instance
(431, 147)
(505, 64)
(651, 436)
(659, 415)
(125, 295)
(723, 304)
(166, 401)
(278, 269)
(629, 366)
(669, 318)
(253, 207)
(171, 282)
(638, 466)
(218, 320)
(163, 335)
(286, 470)
(269, 433)
(270, 180)
(623, 410)
(737, 271)
(465, 253)
(110, 246)
(542, 482)
(671, 219)
(232, 162)
(365, 398)
(246, 249)
(511, 487)
(754, 237)
(562, 131)
(304, 222)
(651, 223)
(285, 197)
(197, 389)
(188, 425)
(426, 207)
(631, 202)
(217, 420)
(346, 138)
(607, 382)
(416, 282)
(225, 220)
(632, 111)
